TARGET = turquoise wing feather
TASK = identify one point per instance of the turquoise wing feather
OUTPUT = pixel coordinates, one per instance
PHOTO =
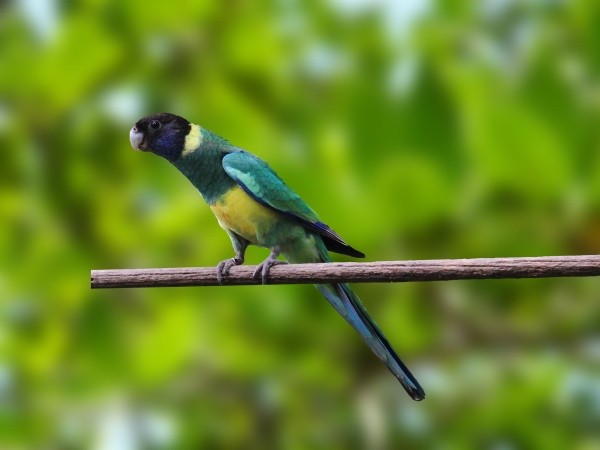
(259, 181)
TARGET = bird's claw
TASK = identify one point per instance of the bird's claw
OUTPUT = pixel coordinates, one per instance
(224, 266)
(264, 268)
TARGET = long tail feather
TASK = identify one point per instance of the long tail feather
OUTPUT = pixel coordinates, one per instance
(347, 303)
(349, 306)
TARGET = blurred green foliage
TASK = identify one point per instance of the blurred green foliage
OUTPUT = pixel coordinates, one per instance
(417, 129)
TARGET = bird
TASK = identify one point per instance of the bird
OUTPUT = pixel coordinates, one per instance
(255, 207)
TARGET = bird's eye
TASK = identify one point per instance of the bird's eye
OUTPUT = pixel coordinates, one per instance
(155, 124)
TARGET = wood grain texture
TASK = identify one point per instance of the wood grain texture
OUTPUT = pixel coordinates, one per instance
(370, 272)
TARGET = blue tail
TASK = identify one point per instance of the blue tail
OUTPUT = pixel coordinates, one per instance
(347, 303)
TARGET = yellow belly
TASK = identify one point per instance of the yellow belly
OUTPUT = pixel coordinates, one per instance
(240, 213)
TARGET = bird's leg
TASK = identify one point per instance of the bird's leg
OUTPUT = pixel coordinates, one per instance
(224, 266)
(239, 245)
(264, 267)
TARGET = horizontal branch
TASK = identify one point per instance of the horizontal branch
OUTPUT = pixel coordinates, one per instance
(370, 272)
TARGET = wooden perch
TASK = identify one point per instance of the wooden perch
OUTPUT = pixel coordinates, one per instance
(370, 272)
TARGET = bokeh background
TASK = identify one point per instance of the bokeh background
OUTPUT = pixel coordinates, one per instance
(417, 129)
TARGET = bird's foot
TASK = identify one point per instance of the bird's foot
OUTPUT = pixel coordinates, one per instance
(224, 266)
(264, 267)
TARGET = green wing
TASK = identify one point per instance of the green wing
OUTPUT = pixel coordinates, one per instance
(259, 181)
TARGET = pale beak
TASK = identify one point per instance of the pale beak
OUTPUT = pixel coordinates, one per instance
(136, 138)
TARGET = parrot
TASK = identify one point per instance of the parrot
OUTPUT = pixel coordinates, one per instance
(255, 207)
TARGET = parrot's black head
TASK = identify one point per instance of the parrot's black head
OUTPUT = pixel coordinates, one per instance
(163, 134)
